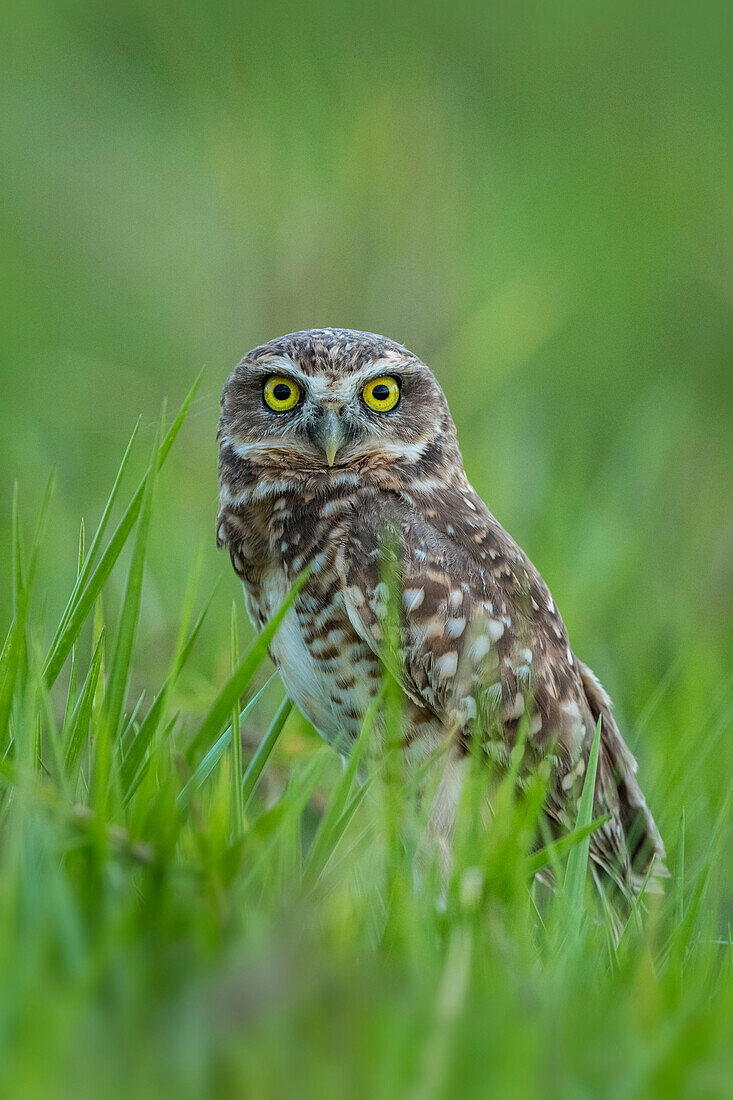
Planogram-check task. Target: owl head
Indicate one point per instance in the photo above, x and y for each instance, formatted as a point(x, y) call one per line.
point(325, 402)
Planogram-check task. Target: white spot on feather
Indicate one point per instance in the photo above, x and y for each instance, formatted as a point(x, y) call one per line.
point(433, 627)
point(355, 595)
point(468, 704)
point(412, 598)
point(575, 728)
point(515, 708)
point(480, 647)
point(576, 773)
point(447, 665)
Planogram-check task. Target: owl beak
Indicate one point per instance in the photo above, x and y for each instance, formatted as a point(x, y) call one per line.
point(330, 435)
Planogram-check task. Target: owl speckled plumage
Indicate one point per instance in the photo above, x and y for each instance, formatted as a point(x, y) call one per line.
point(332, 441)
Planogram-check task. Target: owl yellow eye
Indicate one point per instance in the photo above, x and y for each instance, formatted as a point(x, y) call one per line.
point(381, 394)
point(280, 393)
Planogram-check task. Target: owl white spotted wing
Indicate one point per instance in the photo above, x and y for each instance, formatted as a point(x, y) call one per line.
point(473, 646)
point(465, 645)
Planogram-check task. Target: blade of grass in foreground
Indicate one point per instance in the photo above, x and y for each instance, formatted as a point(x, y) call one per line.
point(217, 750)
point(74, 672)
point(264, 750)
point(558, 848)
point(120, 664)
point(80, 607)
point(86, 561)
point(236, 740)
point(18, 584)
point(135, 755)
point(577, 867)
point(681, 936)
point(324, 840)
point(229, 696)
point(134, 764)
point(14, 653)
point(679, 884)
point(82, 713)
point(39, 533)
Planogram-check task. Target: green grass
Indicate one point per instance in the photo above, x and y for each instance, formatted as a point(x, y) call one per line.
point(179, 921)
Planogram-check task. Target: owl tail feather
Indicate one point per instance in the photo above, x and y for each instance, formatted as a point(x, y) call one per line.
point(629, 848)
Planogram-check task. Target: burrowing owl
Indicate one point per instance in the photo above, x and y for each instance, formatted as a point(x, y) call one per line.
point(328, 439)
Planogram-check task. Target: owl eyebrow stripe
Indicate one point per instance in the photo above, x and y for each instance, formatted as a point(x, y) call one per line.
point(385, 374)
point(267, 367)
point(378, 369)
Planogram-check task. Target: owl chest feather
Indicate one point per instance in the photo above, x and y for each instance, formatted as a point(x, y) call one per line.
point(328, 670)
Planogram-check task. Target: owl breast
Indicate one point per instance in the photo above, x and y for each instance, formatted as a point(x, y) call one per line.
point(329, 672)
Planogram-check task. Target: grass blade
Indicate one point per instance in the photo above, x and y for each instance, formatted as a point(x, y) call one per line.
point(40, 530)
point(217, 750)
point(143, 770)
point(17, 543)
point(679, 885)
point(264, 749)
point(236, 742)
point(120, 665)
point(235, 688)
point(86, 562)
point(54, 739)
point(83, 711)
point(11, 665)
point(14, 655)
point(82, 605)
point(135, 755)
point(682, 936)
point(128, 731)
point(324, 840)
point(577, 867)
point(73, 675)
point(546, 856)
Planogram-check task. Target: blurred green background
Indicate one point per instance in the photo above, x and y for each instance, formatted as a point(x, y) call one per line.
point(535, 198)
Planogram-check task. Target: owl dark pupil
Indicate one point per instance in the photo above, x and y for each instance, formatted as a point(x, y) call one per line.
point(281, 392)
point(381, 392)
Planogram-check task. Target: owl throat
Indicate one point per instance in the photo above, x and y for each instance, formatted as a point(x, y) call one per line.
point(274, 519)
